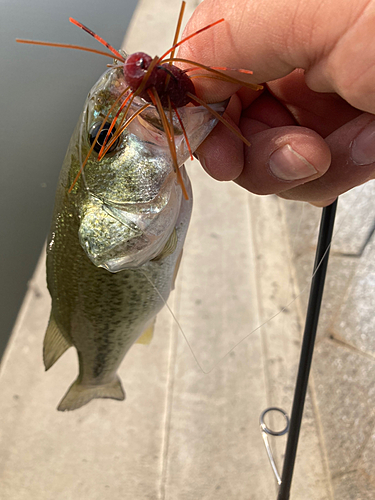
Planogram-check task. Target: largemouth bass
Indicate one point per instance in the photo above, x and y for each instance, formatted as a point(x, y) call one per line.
point(116, 239)
point(122, 209)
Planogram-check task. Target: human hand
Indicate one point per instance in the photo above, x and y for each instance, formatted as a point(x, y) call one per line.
point(312, 129)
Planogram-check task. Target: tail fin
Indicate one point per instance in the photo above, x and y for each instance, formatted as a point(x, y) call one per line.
point(79, 395)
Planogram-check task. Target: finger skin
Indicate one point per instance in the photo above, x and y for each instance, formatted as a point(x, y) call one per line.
point(257, 176)
point(273, 38)
point(322, 112)
point(222, 153)
point(343, 174)
point(335, 54)
point(336, 170)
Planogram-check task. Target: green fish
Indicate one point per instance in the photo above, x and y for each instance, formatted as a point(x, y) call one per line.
point(116, 236)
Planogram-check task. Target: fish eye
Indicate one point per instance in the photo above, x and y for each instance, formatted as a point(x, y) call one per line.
point(103, 134)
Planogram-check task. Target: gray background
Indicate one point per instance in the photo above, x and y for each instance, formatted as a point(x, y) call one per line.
point(42, 93)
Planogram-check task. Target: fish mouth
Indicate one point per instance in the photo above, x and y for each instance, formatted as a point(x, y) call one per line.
point(118, 236)
point(148, 127)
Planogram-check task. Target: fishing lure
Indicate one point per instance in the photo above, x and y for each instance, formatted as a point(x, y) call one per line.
point(159, 82)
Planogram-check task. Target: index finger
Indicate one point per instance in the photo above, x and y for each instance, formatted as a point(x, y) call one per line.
point(273, 38)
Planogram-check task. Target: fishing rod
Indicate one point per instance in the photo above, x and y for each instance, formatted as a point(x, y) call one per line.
point(293, 426)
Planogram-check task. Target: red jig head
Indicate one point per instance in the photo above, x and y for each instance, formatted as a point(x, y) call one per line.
point(168, 80)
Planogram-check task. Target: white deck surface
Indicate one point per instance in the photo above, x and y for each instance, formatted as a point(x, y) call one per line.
point(181, 434)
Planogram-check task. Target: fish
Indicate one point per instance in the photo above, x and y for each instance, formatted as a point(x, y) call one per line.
point(116, 238)
point(122, 210)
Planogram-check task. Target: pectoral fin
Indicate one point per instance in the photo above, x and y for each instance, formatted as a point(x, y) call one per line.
point(169, 247)
point(177, 267)
point(55, 344)
point(147, 335)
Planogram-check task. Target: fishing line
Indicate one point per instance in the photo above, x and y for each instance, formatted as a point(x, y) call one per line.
point(292, 252)
point(206, 372)
point(175, 319)
point(220, 360)
point(83, 121)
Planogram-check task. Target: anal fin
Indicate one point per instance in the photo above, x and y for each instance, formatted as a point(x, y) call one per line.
point(147, 335)
point(54, 345)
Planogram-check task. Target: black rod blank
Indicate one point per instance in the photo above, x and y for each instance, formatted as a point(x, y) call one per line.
point(312, 318)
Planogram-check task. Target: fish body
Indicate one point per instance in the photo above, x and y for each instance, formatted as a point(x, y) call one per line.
point(116, 239)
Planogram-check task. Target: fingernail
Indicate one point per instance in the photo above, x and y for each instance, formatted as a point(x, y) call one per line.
point(363, 146)
point(288, 165)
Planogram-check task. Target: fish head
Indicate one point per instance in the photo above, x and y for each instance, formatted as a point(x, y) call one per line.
point(129, 201)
